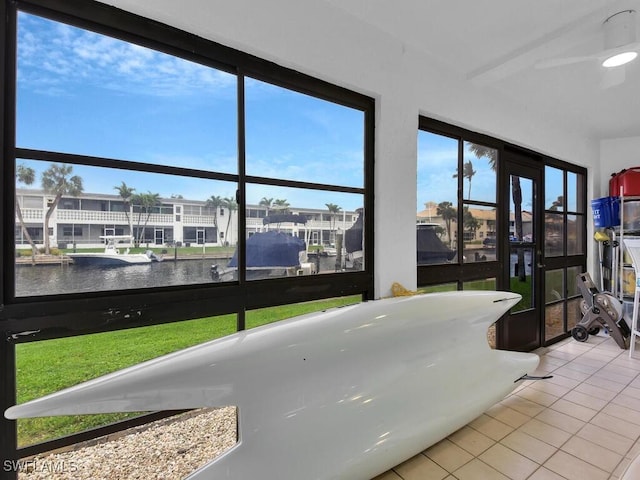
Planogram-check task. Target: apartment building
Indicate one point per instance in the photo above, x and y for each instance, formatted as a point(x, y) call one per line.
point(81, 221)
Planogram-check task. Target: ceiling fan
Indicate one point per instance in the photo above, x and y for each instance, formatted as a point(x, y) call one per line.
point(620, 48)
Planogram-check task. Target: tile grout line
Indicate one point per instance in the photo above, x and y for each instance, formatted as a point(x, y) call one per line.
point(572, 435)
point(559, 448)
point(591, 357)
point(624, 456)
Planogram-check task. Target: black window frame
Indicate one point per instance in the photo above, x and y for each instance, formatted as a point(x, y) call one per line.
point(460, 272)
point(25, 319)
point(566, 262)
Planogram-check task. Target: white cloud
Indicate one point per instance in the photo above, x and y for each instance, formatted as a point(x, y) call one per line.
point(52, 52)
point(332, 168)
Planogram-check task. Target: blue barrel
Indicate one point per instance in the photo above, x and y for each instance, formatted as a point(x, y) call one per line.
point(606, 212)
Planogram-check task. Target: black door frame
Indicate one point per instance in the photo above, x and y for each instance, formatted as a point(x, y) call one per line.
point(523, 330)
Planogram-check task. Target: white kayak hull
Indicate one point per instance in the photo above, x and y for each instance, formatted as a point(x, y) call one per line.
point(346, 393)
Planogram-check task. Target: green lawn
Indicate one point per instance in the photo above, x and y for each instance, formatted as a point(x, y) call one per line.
point(47, 366)
point(523, 288)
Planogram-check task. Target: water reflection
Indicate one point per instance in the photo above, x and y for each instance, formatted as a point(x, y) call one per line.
point(48, 280)
point(59, 279)
point(513, 262)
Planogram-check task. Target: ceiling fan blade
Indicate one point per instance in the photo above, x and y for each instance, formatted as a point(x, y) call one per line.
point(562, 61)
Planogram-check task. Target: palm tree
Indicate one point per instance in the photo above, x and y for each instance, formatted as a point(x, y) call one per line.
point(467, 172)
point(266, 202)
point(145, 203)
point(470, 222)
point(333, 211)
point(214, 202)
point(281, 205)
point(56, 180)
point(126, 193)
point(516, 195)
point(446, 211)
point(230, 204)
point(26, 176)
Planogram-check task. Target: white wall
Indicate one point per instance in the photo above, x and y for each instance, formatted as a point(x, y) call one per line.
point(615, 155)
point(320, 40)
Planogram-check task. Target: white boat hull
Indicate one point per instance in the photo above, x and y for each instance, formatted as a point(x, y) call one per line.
point(104, 259)
point(111, 256)
point(347, 393)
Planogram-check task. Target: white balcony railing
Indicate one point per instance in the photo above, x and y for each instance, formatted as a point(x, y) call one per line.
point(199, 220)
point(33, 215)
point(90, 216)
point(99, 217)
point(311, 225)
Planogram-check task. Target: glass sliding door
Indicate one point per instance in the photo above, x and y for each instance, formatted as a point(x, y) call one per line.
point(521, 328)
point(491, 215)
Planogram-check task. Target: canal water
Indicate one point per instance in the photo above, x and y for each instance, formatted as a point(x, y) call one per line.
point(60, 279)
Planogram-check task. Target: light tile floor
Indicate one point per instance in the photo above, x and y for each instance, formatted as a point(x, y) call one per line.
point(582, 424)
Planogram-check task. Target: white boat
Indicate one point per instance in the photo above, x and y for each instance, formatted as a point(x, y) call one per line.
point(112, 256)
point(345, 393)
point(329, 251)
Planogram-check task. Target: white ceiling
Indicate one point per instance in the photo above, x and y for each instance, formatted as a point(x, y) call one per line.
point(491, 44)
point(495, 45)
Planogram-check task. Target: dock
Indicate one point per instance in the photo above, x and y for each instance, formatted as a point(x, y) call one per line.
point(43, 260)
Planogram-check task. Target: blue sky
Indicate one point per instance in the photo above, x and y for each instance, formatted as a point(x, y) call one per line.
point(80, 92)
point(437, 163)
point(84, 93)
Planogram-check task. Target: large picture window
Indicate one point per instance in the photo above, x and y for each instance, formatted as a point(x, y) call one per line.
point(494, 215)
point(131, 157)
point(141, 167)
point(457, 200)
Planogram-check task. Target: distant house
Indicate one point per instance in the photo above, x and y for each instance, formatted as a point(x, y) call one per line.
point(486, 219)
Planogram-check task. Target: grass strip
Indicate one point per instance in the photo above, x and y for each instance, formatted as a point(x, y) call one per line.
point(48, 366)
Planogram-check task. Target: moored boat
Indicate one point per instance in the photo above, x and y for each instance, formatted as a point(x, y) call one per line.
point(271, 254)
point(112, 256)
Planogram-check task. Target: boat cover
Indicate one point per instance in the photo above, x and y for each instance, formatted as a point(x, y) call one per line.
point(353, 236)
point(271, 249)
point(430, 247)
point(284, 218)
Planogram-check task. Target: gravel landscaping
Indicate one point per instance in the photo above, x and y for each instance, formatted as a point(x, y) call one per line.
point(167, 449)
